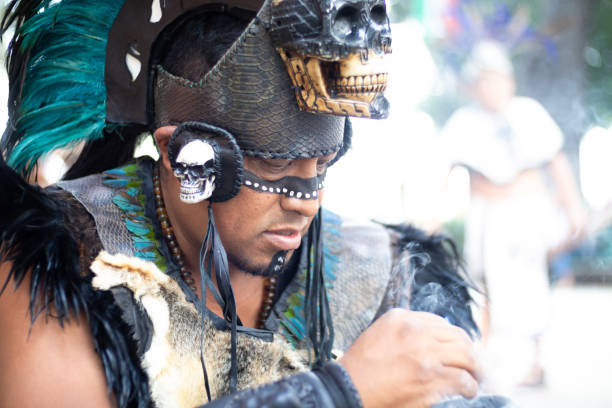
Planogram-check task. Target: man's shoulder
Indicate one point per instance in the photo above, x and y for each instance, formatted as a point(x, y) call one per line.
point(120, 201)
point(385, 266)
point(364, 237)
point(525, 103)
point(52, 348)
point(358, 244)
point(42, 253)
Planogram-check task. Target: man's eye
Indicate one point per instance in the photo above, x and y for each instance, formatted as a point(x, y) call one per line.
point(322, 165)
point(277, 165)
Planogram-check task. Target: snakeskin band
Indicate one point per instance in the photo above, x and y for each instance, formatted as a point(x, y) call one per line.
point(249, 93)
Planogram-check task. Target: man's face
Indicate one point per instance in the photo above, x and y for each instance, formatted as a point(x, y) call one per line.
point(255, 226)
point(494, 90)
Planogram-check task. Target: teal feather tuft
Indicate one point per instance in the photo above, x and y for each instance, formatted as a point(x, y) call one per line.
point(63, 99)
point(130, 199)
point(293, 319)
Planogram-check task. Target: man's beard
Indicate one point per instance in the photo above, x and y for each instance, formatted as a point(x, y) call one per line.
point(274, 267)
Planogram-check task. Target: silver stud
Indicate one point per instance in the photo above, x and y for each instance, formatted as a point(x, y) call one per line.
point(291, 193)
point(264, 188)
point(284, 190)
point(277, 190)
point(307, 195)
point(299, 194)
point(256, 185)
point(248, 182)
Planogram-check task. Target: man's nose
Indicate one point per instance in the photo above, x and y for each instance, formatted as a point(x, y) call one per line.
point(307, 208)
point(304, 168)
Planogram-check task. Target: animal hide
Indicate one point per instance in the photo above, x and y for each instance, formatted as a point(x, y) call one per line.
point(172, 360)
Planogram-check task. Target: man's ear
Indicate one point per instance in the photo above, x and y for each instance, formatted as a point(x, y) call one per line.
point(162, 138)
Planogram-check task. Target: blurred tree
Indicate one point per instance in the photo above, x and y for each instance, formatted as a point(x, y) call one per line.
point(402, 9)
point(598, 59)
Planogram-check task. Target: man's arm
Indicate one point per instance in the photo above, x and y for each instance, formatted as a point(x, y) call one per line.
point(568, 194)
point(412, 359)
point(405, 359)
point(43, 364)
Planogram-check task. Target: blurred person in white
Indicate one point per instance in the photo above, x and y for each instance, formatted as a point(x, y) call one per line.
point(524, 202)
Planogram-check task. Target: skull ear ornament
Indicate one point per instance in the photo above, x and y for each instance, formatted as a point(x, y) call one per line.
point(207, 162)
point(195, 170)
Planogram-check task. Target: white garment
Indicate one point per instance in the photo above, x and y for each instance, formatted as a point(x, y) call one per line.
point(502, 145)
point(507, 239)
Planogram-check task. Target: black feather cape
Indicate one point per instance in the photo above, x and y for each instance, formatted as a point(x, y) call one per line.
point(35, 237)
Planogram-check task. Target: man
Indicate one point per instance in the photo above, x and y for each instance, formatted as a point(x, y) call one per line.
point(512, 148)
point(211, 276)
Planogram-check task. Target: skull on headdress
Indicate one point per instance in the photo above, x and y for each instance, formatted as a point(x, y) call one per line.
point(334, 52)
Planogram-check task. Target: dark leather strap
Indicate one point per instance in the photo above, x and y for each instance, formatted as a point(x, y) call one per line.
point(339, 385)
point(328, 387)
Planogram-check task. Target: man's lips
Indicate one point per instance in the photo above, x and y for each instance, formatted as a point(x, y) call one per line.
point(285, 239)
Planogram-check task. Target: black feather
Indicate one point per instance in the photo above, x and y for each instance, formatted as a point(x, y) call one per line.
point(440, 284)
point(35, 240)
point(42, 249)
point(114, 344)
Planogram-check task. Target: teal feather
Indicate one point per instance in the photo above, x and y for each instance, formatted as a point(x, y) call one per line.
point(293, 319)
point(147, 256)
point(116, 183)
point(137, 228)
point(63, 99)
point(126, 203)
point(296, 329)
point(129, 198)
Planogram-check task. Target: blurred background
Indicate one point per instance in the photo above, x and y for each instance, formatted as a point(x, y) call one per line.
point(499, 136)
point(523, 188)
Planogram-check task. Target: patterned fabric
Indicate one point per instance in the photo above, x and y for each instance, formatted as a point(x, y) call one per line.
point(98, 201)
point(82, 226)
point(357, 270)
point(130, 199)
point(117, 202)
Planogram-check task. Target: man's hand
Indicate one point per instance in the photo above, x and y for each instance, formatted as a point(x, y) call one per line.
point(411, 359)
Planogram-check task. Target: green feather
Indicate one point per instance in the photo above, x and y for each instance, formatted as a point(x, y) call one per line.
point(63, 99)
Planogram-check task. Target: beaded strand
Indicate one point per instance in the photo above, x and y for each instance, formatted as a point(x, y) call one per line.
point(168, 233)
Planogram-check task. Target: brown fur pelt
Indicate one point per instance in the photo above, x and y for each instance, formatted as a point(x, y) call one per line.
point(172, 361)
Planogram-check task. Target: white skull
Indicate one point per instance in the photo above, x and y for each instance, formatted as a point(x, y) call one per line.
point(195, 170)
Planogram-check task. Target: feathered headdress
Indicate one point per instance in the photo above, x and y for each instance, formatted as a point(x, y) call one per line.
point(466, 23)
point(56, 68)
